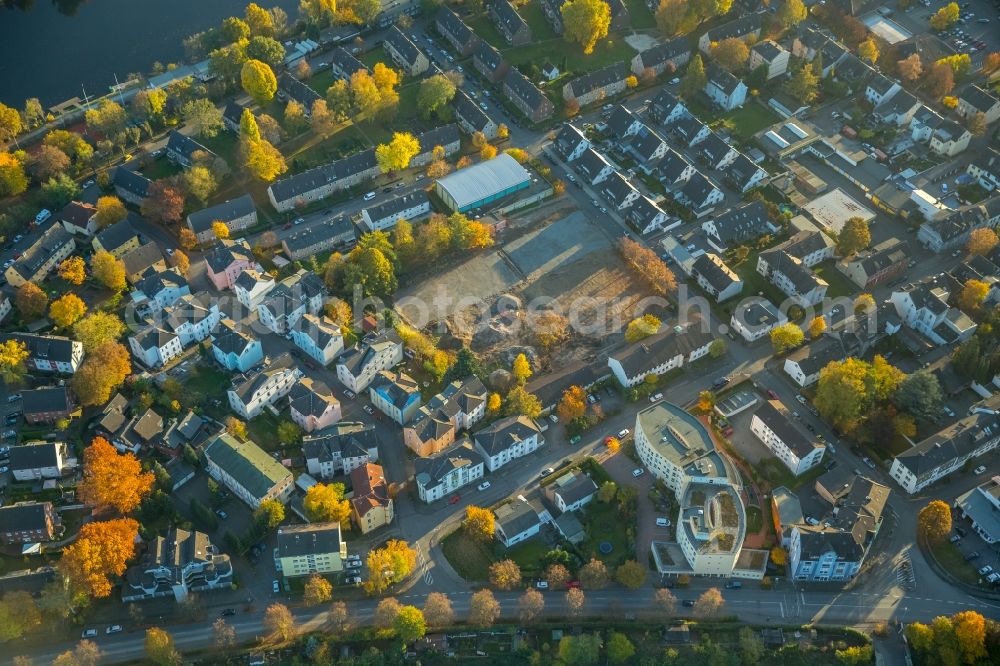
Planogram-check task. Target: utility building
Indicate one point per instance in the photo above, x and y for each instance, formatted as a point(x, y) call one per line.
point(482, 184)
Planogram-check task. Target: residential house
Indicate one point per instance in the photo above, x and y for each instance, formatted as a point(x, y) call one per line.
point(118, 238)
point(410, 206)
point(518, 521)
point(237, 214)
point(804, 364)
point(666, 109)
point(950, 138)
point(670, 348)
point(130, 186)
point(789, 274)
point(337, 232)
point(343, 64)
point(979, 506)
point(620, 18)
point(471, 118)
point(699, 194)
point(34, 461)
point(714, 276)
point(716, 152)
point(770, 54)
point(318, 337)
point(570, 143)
point(550, 72)
point(738, 225)
point(571, 491)
point(339, 449)
point(459, 406)
point(322, 181)
point(508, 22)
point(182, 149)
point(597, 85)
point(755, 318)
point(526, 96)
point(225, 260)
point(142, 259)
point(772, 425)
point(395, 394)
point(923, 124)
point(674, 171)
point(251, 287)
point(618, 191)
point(452, 28)
point(247, 470)
point(446, 136)
point(291, 89)
point(404, 52)
point(312, 405)
point(953, 231)
point(985, 168)
point(41, 257)
point(232, 115)
point(294, 297)
point(923, 306)
point(155, 346)
point(647, 147)
point(899, 109)
point(689, 131)
point(157, 289)
point(371, 504)
point(253, 392)
point(5, 306)
point(357, 366)
point(28, 522)
point(488, 62)
point(670, 55)
point(191, 319)
point(49, 353)
point(78, 218)
point(622, 123)
point(594, 167)
point(741, 28)
point(880, 88)
point(46, 405)
point(304, 550)
point(448, 471)
point(506, 439)
point(976, 99)
point(235, 349)
point(176, 565)
point(724, 88)
point(647, 216)
point(745, 175)
point(550, 9)
point(881, 264)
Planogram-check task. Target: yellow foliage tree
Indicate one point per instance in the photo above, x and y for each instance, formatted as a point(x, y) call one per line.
point(521, 369)
point(388, 565)
point(786, 337)
point(934, 521)
point(817, 326)
point(220, 230)
point(73, 270)
point(13, 354)
point(326, 503)
point(112, 480)
point(101, 550)
point(643, 327)
point(108, 270)
point(396, 155)
point(479, 523)
point(67, 310)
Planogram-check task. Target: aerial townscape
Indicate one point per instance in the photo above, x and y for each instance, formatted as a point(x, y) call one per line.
point(567, 332)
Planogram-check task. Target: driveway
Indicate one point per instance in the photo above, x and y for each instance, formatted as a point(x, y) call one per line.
point(619, 467)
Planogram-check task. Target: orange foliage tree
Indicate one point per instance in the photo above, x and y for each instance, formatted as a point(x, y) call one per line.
point(101, 551)
point(112, 480)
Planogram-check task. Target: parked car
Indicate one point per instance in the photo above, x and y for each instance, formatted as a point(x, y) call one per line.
point(368, 409)
point(354, 580)
point(688, 603)
point(89, 633)
point(979, 470)
point(275, 586)
point(227, 612)
point(575, 439)
point(553, 418)
point(547, 471)
point(221, 514)
point(655, 397)
point(352, 564)
point(542, 584)
point(623, 433)
point(720, 382)
point(637, 472)
point(485, 485)
point(350, 394)
point(971, 556)
point(734, 585)
point(772, 395)
point(114, 629)
point(986, 570)
point(662, 522)
point(454, 499)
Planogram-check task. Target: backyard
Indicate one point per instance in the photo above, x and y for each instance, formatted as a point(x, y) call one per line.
point(748, 120)
point(603, 523)
point(471, 559)
point(840, 286)
point(528, 555)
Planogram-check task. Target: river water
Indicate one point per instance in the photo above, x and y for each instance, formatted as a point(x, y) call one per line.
point(50, 48)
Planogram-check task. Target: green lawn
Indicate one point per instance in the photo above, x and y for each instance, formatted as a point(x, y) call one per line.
point(225, 145)
point(376, 56)
point(528, 554)
point(482, 26)
point(161, 167)
point(470, 559)
point(754, 283)
point(755, 519)
point(603, 523)
point(322, 80)
point(207, 381)
point(950, 557)
point(749, 120)
point(264, 431)
point(541, 29)
point(569, 57)
point(640, 15)
point(839, 284)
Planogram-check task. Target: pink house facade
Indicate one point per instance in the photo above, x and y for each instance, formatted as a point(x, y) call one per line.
point(226, 260)
point(312, 405)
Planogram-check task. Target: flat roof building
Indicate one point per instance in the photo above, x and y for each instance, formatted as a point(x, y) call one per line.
point(482, 183)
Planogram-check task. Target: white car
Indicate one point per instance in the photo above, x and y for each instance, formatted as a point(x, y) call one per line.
point(275, 587)
point(986, 570)
point(662, 522)
point(655, 397)
point(623, 433)
point(89, 633)
point(114, 629)
point(979, 470)
point(542, 585)
point(485, 485)
point(553, 418)
point(637, 472)
point(801, 398)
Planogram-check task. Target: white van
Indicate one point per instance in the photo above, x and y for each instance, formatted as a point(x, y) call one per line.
point(369, 196)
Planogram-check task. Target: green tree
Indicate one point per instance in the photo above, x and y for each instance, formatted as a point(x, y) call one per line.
point(751, 646)
point(585, 22)
point(631, 574)
point(259, 20)
point(338, 98)
point(31, 301)
point(228, 61)
point(855, 236)
point(269, 514)
point(694, 77)
point(620, 648)
point(200, 183)
point(258, 81)
point(59, 190)
point(519, 401)
point(804, 84)
point(266, 49)
point(786, 337)
point(204, 117)
point(409, 624)
point(582, 650)
point(289, 433)
point(466, 365)
point(234, 29)
point(435, 93)
point(920, 395)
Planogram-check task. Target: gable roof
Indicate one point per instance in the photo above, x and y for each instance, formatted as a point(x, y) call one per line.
point(638, 358)
point(247, 463)
point(402, 45)
point(598, 79)
point(118, 234)
point(525, 90)
point(130, 181)
point(141, 258)
point(505, 433)
point(184, 145)
point(227, 211)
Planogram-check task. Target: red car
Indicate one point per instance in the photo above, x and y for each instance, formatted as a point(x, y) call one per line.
point(772, 395)
point(573, 584)
point(287, 226)
point(454, 499)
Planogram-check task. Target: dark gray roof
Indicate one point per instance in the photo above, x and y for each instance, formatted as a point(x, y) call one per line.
point(310, 397)
point(698, 188)
point(768, 50)
point(34, 257)
point(24, 516)
point(298, 91)
point(980, 99)
point(486, 54)
point(617, 189)
point(429, 472)
point(141, 258)
point(672, 165)
point(668, 50)
point(454, 25)
point(247, 388)
point(742, 223)
point(52, 399)
point(233, 112)
point(525, 90)
point(470, 112)
point(201, 220)
point(569, 137)
point(118, 234)
point(738, 28)
point(345, 439)
point(721, 78)
point(592, 162)
point(598, 79)
point(231, 339)
point(814, 356)
point(153, 282)
point(620, 120)
point(343, 61)
point(184, 145)
point(507, 16)
point(34, 455)
point(742, 170)
point(402, 45)
point(714, 271)
point(398, 204)
point(132, 182)
point(54, 348)
point(221, 256)
point(335, 228)
point(302, 540)
point(780, 425)
point(504, 433)
point(638, 358)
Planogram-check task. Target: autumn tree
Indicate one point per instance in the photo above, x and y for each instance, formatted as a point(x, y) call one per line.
point(706, 401)
point(31, 301)
point(494, 403)
point(163, 203)
point(786, 337)
point(269, 514)
point(631, 574)
point(325, 503)
point(385, 613)
point(323, 121)
point(112, 480)
point(650, 268)
point(236, 428)
point(557, 576)
point(317, 590)
point(438, 611)
point(790, 13)
point(160, 648)
point(484, 609)
point(817, 326)
point(224, 635)
point(972, 295)
point(642, 327)
point(573, 404)
point(694, 79)
point(262, 160)
point(279, 623)
point(409, 624)
point(487, 152)
point(18, 614)
point(389, 565)
point(10, 123)
point(100, 551)
point(864, 304)
point(804, 84)
point(86, 653)
point(203, 116)
point(939, 80)
point(108, 270)
point(910, 68)
point(530, 605)
point(585, 22)
point(73, 270)
point(731, 54)
point(945, 17)
point(575, 600)
point(520, 401)
point(47, 162)
point(396, 155)
point(13, 179)
point(258, 81)
point(102, 371)
point(479, 523)
point(220, 230)
point(934, 521)
point(13, 354)
point(868, 50)
point(664, 602)
point(853, 237)
point(434, 94)
point(505, 575)
point(594, 575)
point(848, 390)
point(981, 241)
point(187, 239)
point(708, 604)
point(521, 368)
point(67, 310)
point(991, 63)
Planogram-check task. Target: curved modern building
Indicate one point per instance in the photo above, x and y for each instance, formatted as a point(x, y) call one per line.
point(711, 521)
